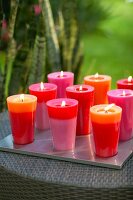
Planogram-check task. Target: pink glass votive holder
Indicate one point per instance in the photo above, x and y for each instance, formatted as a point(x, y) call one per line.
point(124, 99)
point(62, 80)
point(63, 119)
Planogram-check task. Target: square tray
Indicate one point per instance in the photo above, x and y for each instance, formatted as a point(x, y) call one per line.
point(83, 153)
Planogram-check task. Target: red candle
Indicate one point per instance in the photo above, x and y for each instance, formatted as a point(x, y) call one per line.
point(106, 125)
point(85, 96)
point(43, 92)
point(62, 80)
point(63, 118)
point(22, 114)
point(125, 83)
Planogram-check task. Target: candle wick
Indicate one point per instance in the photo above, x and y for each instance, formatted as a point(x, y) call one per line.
point(106, 111)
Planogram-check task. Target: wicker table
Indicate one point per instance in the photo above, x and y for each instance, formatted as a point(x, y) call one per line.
point(30, 178)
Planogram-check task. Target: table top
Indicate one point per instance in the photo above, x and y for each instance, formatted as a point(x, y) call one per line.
point(61, 172)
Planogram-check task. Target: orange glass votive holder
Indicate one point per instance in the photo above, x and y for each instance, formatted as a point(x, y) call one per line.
point(101, 84)
point(22, 117)
point(106, 128)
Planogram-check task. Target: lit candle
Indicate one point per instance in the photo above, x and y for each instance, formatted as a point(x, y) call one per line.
point(61, 74)
point(101, 84)
point(96, 76)
point(80, 88)
point(108, 107)
point(22, 113)
point(129, 79)
point(63, 104)
point(105, 124)
point(123, 93)
point(42, 86)
point(63, 118)
point(43, 92)
point(125, 83)
point(62, 80)
point(124, 99)
point(85, 96)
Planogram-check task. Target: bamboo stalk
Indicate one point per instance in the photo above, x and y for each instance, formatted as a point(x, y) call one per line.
point(53, 50)
point(11, 53)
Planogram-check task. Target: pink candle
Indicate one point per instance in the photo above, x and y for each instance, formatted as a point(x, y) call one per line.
point(63, 118)
point(62, 80)
point(125, 83)
point(124, 99)
point(85, 96)
point(43, 92)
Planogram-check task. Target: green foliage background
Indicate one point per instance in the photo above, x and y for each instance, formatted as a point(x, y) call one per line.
point(110, 50)
point(36, 43)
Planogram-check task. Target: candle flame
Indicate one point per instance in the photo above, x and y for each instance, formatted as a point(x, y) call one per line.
point(129, 79)
point(80, 88)
point(107, 108)
point(63, 103)
point(123, 93)
point(96, 75)
point(21, 97)
point(41, 86)
point(61, 74)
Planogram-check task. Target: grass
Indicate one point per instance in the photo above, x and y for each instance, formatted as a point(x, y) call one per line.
point(112, 53)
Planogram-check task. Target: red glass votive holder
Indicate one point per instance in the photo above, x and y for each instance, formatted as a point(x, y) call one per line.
point(125, 84)
point(44, 92)
point(85, 96)
point(63, 119)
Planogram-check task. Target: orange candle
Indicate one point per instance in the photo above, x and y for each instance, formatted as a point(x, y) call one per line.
point(22, 114)
point(101, 84)
point(106, 125)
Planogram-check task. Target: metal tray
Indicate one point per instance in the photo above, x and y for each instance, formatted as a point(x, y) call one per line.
point(83, 153)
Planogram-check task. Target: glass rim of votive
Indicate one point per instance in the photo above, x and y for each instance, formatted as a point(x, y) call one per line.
point(16, 100)
point(36, 87)
point(129, 82)
point(110, 110)
point(56, 103)
point(114, 109)
point(73, 88)
point(97, 78)
point(57, 74)
point(118, 93)
point(125, 81)
point(64, 75)
point(127, 94)
point(102, 78)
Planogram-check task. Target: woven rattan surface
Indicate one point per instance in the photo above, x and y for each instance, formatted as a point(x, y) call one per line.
point(27, 177)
